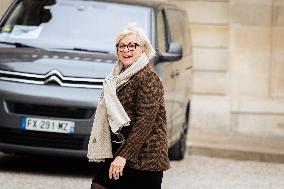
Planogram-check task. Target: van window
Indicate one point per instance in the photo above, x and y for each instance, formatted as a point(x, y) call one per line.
point(161, 30)
point(71, 23)
point(178, 27)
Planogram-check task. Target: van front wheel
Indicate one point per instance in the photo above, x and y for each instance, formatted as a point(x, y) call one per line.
point(177, 151)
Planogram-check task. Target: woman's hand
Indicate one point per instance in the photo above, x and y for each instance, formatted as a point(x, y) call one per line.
point(116, 167)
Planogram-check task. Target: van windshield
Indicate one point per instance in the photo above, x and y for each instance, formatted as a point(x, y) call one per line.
point(69, 24)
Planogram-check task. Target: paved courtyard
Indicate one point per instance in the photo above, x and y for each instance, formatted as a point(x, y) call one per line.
point(202, 170)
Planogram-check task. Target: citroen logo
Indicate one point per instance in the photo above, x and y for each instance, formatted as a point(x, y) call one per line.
point(53, 76)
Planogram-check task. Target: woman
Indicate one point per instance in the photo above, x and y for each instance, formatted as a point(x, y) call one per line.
point(129, 137)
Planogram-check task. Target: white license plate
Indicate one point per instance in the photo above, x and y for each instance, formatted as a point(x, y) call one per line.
point(48, 125)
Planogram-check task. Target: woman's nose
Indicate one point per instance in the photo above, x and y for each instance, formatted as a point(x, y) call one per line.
point(126, 47)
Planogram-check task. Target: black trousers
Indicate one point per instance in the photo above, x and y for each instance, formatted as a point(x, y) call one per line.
point(131, 179)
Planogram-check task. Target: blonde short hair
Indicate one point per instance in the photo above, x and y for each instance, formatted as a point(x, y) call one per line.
point(131, 28)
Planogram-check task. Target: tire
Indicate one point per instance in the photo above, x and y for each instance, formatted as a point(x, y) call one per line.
point(177, 151)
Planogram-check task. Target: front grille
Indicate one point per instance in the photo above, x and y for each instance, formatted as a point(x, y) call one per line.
point(50, 111)
point(51, 78)
point(42, 139)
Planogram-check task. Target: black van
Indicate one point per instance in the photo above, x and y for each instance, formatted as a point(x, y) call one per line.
point(54, 56)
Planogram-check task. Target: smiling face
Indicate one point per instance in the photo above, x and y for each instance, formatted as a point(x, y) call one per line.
point(129, 49)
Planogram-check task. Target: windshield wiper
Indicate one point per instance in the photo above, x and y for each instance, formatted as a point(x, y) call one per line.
point(19, 45)
point(85, 50)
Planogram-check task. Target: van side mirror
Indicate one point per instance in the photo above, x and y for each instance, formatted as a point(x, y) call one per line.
point(174, 53)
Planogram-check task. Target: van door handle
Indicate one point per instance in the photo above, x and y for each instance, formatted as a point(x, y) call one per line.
point(173, 74)
point(177, 72)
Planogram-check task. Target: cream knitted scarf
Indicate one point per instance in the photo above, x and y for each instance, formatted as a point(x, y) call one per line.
point(110, 113)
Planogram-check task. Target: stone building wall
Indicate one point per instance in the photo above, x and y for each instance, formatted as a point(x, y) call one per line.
point(238, 80)
point(3, 6)
point(238, 73)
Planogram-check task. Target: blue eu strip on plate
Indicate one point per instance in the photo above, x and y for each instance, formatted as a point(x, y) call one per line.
point(23, 120)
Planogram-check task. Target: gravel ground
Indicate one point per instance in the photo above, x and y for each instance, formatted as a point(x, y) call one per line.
point(202, 172)
point(197, 171)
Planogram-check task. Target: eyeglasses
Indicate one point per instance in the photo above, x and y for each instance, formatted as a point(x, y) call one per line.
point(130, 46)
